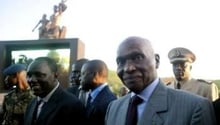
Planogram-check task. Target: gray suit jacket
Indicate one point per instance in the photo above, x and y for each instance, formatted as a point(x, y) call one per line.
point(165, 107)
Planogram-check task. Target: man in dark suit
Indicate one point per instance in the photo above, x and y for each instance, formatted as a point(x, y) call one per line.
point(52, 105)
point(216, 105)
point(76, 87)
point(157, 104)
point(94, 76)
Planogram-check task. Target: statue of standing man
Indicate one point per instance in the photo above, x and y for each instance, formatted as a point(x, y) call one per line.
point(45, 24)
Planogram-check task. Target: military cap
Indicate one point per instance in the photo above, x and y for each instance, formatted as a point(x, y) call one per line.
point(181, 54)
point(12, 69)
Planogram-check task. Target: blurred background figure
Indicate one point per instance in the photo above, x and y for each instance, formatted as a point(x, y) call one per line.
point(16, 101)
point(94, 75)
point(123, 91)
point(182, 59)
point(76, 87)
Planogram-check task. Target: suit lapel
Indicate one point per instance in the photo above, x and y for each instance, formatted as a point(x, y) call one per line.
point(47, 110)
point(124, 109)
point(50, 106)
point(32, 109)
point(99, 97)
point(117, 111)
point(157, 103)
point(97, 100)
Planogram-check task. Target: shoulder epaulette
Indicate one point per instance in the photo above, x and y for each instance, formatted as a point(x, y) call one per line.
point(202, 80)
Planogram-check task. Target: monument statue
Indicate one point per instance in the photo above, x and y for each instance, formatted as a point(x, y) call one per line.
point(51, 29)
point(45, 24)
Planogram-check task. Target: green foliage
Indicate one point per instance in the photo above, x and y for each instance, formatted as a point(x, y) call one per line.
point(217, 82)
point(55, 55)
point(114, 82)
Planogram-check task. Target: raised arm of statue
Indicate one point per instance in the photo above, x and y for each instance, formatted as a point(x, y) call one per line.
point(43, 22)
point(36, 26)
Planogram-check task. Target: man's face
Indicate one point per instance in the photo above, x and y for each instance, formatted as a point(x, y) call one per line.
point(75, 74)
point(87, 76)
point(181, 70)
point(136, 65)
point(41, 78)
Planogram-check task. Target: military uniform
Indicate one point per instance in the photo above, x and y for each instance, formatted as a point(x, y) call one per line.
point(178, 56)
point(15, 102)
point(198, 86)
point(14, 106)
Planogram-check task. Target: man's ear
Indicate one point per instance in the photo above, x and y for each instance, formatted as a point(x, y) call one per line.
point(96, 77)
point(157, 58)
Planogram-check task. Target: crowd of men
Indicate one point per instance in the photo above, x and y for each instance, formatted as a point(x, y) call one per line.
point(39, 99)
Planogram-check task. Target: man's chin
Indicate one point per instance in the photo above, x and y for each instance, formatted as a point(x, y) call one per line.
point(37, 92)
point(179, 78)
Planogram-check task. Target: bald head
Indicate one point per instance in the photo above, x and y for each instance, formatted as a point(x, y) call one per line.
point(93, 74)
point(98, 66)
point(137, 43)
point(137, 63)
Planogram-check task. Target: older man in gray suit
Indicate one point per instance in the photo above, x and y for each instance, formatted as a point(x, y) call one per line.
point(159, 105)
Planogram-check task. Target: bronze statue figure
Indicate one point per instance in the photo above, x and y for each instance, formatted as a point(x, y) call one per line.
point(51, 29)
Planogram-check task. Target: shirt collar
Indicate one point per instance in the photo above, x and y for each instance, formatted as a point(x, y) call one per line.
point(182, 82)
point(147, 92)
point(96, 91)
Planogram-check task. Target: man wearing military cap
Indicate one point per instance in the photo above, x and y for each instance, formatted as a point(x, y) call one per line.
point(16, 101)
point(182, 59)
